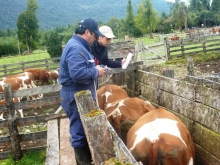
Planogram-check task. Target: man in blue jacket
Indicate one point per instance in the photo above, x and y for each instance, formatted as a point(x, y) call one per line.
point(100, 50)
point(79, 72)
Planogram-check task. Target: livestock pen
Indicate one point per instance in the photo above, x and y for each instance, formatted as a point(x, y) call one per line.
point(196, 104)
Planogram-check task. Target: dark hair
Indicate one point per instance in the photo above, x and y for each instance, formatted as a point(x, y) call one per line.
point(80, 30)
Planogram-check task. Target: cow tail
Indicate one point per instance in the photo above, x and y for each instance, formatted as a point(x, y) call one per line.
point(156, 154)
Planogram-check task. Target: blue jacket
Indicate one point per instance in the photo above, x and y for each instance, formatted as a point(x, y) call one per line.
point(77, 67)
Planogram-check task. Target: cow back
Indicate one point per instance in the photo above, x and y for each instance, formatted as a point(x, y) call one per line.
point(159, 137)
point(110, 93)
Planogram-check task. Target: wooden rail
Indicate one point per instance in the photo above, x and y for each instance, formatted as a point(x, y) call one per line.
point(188, 46)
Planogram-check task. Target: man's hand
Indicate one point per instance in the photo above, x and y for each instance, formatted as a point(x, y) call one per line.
point(123, 61)
point(100, 70)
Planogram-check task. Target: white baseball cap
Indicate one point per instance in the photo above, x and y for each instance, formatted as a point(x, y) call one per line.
point(107, 31)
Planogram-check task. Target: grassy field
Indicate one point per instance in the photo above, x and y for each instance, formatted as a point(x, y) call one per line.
point(36, 55)
point(31, 158)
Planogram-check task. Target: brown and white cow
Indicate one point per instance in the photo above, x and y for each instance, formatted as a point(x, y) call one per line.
point(16, 84)
point(128, 109)
point(175, 37)
point(110, 93)
point(214, 30)
point(159, 137)
point(19, 82)
point(27, 79)
point(54, 76)
point(119, 107)
point(41, 75)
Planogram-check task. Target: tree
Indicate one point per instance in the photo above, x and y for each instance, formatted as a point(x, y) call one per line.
point(164, 26)
point(215, 6)
point(27, 24)
point(54, 44)
point(147, 17)
point(130, 27)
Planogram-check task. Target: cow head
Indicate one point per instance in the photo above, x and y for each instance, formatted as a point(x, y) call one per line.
point(110, 93)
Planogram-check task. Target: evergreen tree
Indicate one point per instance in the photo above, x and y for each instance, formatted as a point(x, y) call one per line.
point(147, 17)
point(54, 44)
point(129, 22)
point(215, 6)
point(195, 5)
point(27, 24)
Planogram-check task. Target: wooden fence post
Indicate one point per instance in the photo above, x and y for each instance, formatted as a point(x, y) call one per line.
point(46, 63)
point(167, 49)
point(22, 66)
point(182, 47)
point(5, 70)
point(168, 73)
point(204, 44)
point(12, 126)
point(96, 130)
point(190, 66)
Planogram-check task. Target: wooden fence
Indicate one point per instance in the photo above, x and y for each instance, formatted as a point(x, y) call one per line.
point(15, 139)
point(196, 104)
point(15, 68)
point(188, 46)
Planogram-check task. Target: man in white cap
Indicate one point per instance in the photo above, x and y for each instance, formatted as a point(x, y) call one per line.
point(100, 51)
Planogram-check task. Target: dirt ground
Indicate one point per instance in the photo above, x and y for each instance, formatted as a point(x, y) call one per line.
point(180, 70)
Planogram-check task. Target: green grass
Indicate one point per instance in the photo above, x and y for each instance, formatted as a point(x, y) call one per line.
point(147, 40)
point(36, 55)
point(199, 57)
point(31, 158)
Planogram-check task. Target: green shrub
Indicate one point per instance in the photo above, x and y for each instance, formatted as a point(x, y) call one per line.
point(6, 49)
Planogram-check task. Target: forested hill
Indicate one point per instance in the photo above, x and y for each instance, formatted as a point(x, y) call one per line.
point(53, 13)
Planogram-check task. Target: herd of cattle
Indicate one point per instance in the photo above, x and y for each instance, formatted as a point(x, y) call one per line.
point(212, 31)
point(30, 78)
point(158, 137)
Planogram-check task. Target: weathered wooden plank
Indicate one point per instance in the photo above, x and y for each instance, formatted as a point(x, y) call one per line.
point(52, 157)
point(53, 100)
point(67, 156)
point(201, 134)
point(208, 97)
point(38, 90)
point(120, 49)
point(95, 128)
point(33, 136)
point(205, 158)
point(203, 82)
point(207, 116)
point(25, 121)
point(26, 137)
point(181, 88)
point(196, 111)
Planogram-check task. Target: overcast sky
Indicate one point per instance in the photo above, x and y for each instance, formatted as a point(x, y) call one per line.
point(186, 1)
